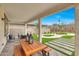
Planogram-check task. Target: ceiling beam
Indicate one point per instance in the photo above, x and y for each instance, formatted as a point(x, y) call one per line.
point(57, 8)
point(15, 24)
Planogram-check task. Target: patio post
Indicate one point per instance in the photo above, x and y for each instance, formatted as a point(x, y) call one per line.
point(40, 30)
point(77, 30)
point(25, 29)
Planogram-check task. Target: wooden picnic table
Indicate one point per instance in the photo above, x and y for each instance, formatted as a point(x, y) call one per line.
point(30, 49)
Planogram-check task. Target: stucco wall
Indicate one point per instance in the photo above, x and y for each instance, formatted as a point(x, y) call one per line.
point(16, 29)
point(2, 37)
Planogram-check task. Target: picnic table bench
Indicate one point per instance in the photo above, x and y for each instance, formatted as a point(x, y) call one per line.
point(18, 51)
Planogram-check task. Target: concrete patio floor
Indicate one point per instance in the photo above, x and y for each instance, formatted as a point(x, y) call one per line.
point(8, 50)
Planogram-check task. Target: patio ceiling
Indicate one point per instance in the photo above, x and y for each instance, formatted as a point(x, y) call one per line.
point(22, 13)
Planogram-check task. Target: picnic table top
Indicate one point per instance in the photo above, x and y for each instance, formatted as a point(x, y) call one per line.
point(30, 49)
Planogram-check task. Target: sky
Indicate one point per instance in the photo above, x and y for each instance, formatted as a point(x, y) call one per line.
point(65, 17)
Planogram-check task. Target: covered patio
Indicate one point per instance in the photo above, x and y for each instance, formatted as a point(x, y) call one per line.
point(23, 14)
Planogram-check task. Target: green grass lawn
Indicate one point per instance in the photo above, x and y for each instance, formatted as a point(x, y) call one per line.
point(67, 37)
point(47, 33)
point(44, 40)
point(61, 33)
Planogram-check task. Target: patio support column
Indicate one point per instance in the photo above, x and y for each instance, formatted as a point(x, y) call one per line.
point(77, 30)
point(25, 29)
point(40, 30)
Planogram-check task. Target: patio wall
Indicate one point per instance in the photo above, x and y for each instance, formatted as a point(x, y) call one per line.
point(16, 29)
point(2, 37)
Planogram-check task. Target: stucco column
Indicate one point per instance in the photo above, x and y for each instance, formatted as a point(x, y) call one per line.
point(25, 29)
point(40, 30)
point(77, 30)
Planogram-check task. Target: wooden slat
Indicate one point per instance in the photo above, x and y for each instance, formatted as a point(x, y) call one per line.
point(18, 51)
